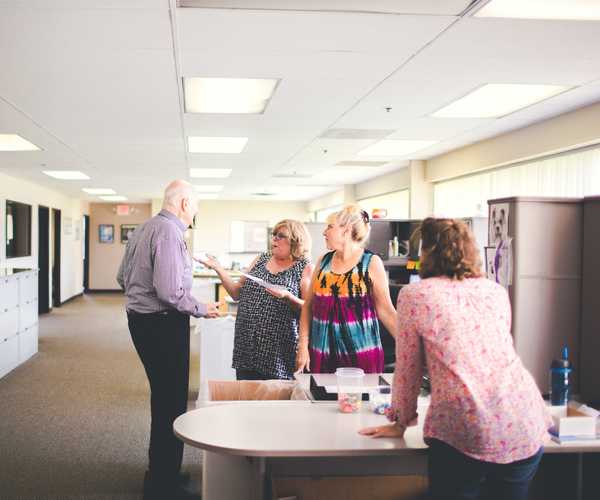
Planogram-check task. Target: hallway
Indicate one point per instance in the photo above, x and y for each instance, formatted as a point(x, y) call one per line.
point(74, 420)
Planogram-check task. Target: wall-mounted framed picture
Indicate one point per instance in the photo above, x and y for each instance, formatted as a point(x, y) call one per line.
point(106, 233)
point(126, 231)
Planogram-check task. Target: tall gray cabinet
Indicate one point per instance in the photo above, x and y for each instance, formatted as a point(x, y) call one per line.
point(589, 358)
point(546, 284)
point(18, 317)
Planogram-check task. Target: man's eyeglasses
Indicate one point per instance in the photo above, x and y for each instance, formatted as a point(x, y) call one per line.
point(279, 236)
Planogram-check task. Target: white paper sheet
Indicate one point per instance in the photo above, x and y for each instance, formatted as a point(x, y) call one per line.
point(263, 283)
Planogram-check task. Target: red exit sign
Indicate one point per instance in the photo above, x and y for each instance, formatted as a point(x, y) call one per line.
point(123, 209)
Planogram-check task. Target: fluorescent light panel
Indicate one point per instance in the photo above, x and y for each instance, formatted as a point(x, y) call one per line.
point(210, 173)
point(579, 10)
point(97, 191)
point(227, 145)
point(113, 198)
point(67, 175)
point(395, 147)
point(14, 142)
point(208, 188)
point(207, 196)
point(494, 100)
point(228, 95)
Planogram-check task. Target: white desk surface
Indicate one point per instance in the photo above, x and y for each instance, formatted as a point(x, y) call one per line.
point(290, 429)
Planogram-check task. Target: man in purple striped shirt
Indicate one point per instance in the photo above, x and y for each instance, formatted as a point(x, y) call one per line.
point(156, 274)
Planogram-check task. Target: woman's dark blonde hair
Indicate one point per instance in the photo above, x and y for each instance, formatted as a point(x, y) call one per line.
point(299, 237)
point(449, 249)
point(356, 218)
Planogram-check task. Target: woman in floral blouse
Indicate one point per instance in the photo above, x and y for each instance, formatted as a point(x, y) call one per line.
point(486, 423)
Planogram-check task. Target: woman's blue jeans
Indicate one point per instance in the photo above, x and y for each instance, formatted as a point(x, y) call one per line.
point(454, 475)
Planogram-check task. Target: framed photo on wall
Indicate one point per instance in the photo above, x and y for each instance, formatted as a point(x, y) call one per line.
point(126, 231)
point(106, 233)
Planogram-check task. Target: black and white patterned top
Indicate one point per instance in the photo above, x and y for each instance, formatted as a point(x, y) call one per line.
point(266, 328)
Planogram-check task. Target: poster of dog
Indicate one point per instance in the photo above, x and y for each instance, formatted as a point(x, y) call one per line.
point(498, 224)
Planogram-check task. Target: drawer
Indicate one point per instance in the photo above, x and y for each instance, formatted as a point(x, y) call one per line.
point(28, 343)
point(9, 292)
point(9, 323)
point(28, 315)
point(27, 287)
point(9, 355)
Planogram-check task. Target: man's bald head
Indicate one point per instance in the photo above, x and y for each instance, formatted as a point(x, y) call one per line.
point(175, 192)
point(180, 199)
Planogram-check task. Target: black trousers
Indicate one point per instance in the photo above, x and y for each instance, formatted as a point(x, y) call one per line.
point(162, 341)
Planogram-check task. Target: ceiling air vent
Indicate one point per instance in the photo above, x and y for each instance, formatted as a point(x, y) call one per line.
point(263, 194)
point(355, 133)
point(360, 163)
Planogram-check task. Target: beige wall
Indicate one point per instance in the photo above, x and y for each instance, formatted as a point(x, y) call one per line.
point(214, 220)
point(565, 132)
point(388, 183)
point(105, 258)
point(71, 275)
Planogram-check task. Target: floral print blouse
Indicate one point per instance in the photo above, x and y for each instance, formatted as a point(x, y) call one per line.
point(484, 402)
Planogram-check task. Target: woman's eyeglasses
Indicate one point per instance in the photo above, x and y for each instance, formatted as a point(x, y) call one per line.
point(279, 236)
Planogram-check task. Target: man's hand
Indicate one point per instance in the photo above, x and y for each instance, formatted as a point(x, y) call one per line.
point(302, 359)
point(390, 430)
point(212, 309)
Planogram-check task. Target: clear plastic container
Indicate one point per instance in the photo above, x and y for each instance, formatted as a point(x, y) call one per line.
point(350, 383)
point(380, 399)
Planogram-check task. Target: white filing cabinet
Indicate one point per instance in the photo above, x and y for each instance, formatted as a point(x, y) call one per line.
point(18, 317)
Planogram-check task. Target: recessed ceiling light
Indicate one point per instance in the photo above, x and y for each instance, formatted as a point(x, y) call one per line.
point(210, 173)
point(99, 191)
point(67, 175)
point(113, 198)
point(208, 188)
point(207, 196)
point(542, 9)
point(494, 100)
point(228, 95)
point(229, 145)
point(14, 142)
point(395, 147)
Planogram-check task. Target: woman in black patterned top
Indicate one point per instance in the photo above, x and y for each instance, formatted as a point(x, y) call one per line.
point(266, 328)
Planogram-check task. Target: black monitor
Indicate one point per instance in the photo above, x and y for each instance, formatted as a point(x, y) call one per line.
point(17, 226)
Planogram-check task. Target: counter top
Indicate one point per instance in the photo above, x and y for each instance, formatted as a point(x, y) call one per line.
point(290, 429)
point(9, 271)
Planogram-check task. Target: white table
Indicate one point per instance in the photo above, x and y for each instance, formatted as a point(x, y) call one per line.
point(247, 443)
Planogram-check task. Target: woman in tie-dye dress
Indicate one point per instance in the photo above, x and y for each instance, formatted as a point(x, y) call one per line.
point(339, 324)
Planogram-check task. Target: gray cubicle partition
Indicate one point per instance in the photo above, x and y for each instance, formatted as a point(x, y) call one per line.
point(545, 293)
point(590, 302)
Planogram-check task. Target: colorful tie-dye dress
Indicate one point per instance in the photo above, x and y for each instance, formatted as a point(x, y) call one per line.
point(345, 328)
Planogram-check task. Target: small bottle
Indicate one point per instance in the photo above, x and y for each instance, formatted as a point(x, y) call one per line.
point(559, 379)
point(390, 249)
point(395, 246)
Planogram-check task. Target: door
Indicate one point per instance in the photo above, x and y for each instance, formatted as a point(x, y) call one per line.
point(86, 253)
point(56, 260)
point(43, 259)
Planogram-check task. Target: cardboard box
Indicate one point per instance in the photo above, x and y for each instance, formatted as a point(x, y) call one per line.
point(254, 390)
point(570, 422)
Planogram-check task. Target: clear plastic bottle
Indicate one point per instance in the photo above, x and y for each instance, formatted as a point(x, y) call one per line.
point(395, 246)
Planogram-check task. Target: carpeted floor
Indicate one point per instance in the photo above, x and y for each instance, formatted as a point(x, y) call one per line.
point(74, 420)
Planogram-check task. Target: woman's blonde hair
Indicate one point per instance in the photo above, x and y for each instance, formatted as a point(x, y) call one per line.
point(299, 237)
point(356, 218)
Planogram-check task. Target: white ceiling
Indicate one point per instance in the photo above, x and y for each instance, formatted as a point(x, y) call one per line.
point(97, 85)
